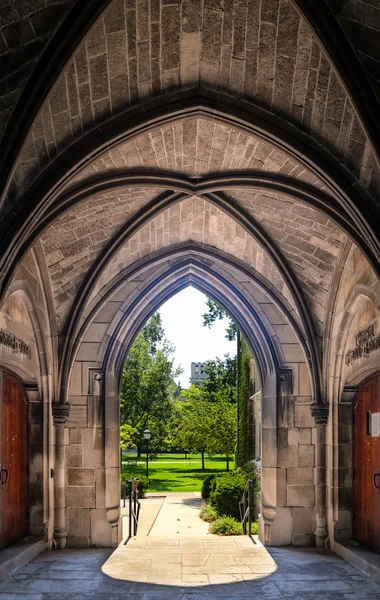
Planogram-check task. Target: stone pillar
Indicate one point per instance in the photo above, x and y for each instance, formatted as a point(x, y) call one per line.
point(321, 414)
point(60, 414)
point(112, 458)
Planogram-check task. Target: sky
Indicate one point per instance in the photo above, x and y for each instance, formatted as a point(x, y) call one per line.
point(182, 322)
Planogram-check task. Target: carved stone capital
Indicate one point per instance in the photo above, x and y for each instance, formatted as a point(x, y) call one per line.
point(97, 384)
point(320, 413)
point(61, 412)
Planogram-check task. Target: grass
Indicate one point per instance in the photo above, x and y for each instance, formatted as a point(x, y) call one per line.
point(174, 473)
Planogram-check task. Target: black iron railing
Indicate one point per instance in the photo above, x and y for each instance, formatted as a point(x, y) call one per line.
point(134, 506)
point(246, 508)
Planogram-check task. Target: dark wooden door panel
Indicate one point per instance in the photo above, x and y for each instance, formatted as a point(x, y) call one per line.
point(14, 458)
point(366, 464)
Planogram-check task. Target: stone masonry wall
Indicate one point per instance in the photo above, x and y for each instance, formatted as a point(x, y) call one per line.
point(288, 452)
point(310, 241)
point(198, 220)
point(25, 29)
point(74, 241)
point(198, 146)
point(357, 307)
point(260, 50)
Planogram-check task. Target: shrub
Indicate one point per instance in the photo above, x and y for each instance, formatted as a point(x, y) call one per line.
point(227, 494)
point(252, 469)
point(255, 528)
point(208, 513)
point(226, 526)
point(142, 485)
point(208, 485)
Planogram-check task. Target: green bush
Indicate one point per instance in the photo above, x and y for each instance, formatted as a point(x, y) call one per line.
point(227, 494)
point(226, 526)
point(208, 513)
point(208, 485)
point(252, 472)
point(142, 485)
point(255, 528)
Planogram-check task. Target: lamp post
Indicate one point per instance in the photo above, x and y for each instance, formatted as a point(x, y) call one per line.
point(147, 436)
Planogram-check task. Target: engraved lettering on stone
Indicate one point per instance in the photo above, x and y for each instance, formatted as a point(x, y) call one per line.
point(366, 342)
point(16, 344)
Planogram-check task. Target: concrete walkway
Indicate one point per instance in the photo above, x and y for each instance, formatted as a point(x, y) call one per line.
point(187, 565)
point(179, 517)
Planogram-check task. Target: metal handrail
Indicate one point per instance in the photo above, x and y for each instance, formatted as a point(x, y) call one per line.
point(246, 507)
point(134, 506)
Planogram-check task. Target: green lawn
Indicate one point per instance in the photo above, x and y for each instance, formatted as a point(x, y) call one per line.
point(174, 473)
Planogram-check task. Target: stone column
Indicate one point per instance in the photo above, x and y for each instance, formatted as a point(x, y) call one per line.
point(112, 457)
point(60, 414)
point(321, 414)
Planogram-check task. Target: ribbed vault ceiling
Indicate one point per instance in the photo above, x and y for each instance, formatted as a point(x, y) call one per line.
point(146, 55)
point(262, 51)
point(197, 146)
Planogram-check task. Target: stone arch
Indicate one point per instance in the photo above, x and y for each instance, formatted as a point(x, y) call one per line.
point(113, 319)
point(32, 371)
point(349, 196)
point(357, 305)
point(325, 23)
point(206, 48)
point(272, 261)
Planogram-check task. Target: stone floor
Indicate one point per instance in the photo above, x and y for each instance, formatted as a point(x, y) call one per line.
point(180, 567)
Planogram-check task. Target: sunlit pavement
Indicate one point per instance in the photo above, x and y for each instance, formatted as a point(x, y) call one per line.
point(186, 569)
point(177, 566)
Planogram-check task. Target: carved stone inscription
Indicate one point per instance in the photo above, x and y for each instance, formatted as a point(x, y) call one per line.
point(15, 344)
point(366, 342)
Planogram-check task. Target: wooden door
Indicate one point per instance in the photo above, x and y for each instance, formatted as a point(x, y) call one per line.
point(366, 464)
point(14, 461)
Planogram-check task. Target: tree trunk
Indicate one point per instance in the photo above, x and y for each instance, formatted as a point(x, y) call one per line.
point(227, 462)
point(203, 461)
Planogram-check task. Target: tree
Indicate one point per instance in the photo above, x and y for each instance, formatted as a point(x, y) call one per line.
point(216, 313)
point(128, 436)
point(221, 379)
point(244, 446)
point(244, 437)
point(148, 383)
point(195, 425)
point(223, 430)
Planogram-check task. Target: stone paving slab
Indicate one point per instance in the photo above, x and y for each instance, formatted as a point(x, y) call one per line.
point(189, 569)
point(179, 517)
point(174, 558)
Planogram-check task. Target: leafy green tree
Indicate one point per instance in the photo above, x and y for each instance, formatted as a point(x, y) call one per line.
point(147, 384)
point(216, 313)
point(195, 424)
point(222, 436)
point(128, 436)
point(244, 446)
point(241, 395)
point(221, 379)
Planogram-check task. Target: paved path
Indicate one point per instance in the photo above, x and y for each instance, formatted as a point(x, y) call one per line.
point(180, 566)
point(179, 517)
